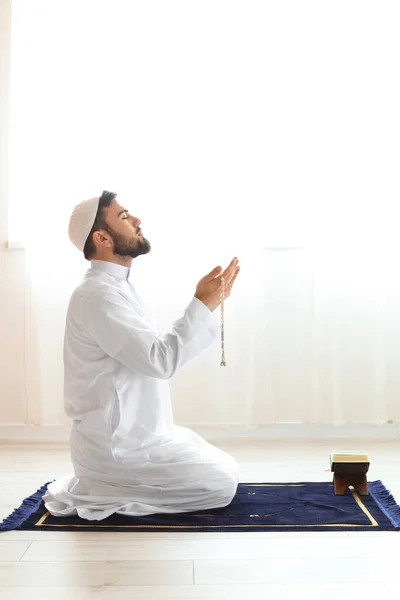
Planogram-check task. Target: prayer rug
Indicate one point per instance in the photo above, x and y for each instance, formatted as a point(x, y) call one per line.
point(302, 506)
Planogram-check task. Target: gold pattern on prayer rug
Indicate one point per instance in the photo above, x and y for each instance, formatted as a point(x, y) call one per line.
point(43, 521)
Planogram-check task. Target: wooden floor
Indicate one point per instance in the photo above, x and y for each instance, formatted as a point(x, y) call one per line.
point(122, 566)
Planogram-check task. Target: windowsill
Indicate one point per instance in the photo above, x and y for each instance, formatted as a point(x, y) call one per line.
point(14, 245)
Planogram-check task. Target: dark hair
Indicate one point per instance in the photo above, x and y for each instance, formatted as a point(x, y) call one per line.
point(106, 198)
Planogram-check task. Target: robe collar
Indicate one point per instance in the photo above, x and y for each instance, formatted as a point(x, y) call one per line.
point(117, 271)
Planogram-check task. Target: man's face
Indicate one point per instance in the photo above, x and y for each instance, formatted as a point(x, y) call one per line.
point(125, 231)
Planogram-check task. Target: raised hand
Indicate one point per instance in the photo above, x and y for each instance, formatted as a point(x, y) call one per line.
point(208, 289)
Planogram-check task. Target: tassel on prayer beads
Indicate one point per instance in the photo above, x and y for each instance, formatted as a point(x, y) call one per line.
point(223, 362)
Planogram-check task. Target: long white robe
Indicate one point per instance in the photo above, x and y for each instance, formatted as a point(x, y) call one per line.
point(127, 454)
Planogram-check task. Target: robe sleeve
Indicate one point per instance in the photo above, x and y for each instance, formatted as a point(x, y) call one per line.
point(122, 333)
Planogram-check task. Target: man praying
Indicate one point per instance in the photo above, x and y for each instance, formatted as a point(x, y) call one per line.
point(128, 456)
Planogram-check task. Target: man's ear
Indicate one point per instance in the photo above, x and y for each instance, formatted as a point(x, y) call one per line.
point(101, 238)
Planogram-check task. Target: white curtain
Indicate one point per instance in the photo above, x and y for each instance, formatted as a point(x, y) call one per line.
point(266, 130)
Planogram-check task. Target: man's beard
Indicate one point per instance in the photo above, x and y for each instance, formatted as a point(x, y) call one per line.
point(125, 246)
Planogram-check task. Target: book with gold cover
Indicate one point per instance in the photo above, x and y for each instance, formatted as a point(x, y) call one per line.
point(349, 461)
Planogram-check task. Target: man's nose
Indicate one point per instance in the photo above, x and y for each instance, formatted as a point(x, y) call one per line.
point(136, 222)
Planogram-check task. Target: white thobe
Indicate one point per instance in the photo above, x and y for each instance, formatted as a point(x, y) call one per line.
point(127, 454)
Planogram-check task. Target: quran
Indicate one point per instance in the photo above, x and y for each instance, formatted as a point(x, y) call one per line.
point(348, 457)
point(350, 468)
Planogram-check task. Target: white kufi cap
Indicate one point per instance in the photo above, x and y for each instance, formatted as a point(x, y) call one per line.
point(81, 222)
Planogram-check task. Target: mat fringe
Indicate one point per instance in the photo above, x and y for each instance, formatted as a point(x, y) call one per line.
point(386, 502)
point(20, 514)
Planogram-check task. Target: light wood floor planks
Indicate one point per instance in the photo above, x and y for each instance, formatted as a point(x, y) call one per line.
point(164, 566)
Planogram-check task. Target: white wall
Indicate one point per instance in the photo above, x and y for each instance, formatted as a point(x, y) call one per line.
point(12, 395)
point(353, 385)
